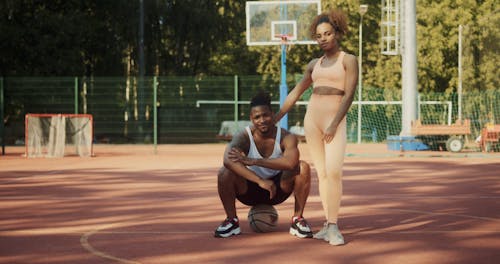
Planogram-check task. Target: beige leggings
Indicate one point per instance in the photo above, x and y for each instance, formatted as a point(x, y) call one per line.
point(328, 158)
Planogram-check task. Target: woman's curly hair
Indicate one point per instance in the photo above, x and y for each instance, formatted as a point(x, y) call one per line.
point(335, 17)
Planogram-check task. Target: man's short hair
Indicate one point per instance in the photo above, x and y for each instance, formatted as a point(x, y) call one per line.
point(261, 98)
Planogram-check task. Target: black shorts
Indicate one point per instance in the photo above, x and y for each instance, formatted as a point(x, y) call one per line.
point(256, 195)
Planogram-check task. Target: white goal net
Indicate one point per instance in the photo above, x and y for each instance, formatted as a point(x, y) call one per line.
point(58, 135)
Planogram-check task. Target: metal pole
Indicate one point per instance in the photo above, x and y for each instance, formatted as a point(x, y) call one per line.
point(155, 113)
point(360, 76)
point(460, 28)
point(235, 100)
point(2, 127)
point(409, 67)
point(140, 88)
point(76, 95)
point(141, 38)
point(283, 86)
point(362, 10)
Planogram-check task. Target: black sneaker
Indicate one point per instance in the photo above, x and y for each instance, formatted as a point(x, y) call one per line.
point(228, 228)
point(300, 228)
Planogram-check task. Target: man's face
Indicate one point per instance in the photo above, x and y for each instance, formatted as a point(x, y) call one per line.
point(262, 118)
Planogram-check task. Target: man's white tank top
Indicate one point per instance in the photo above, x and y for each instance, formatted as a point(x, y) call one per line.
point(264, 173)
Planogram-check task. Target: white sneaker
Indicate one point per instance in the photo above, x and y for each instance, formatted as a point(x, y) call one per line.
point(334, 236)
point(300, 228)
point(322, 233)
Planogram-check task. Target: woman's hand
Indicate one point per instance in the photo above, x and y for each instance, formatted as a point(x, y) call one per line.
point(329, 133)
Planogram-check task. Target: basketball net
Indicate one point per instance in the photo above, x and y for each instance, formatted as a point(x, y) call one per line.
point(285, 39)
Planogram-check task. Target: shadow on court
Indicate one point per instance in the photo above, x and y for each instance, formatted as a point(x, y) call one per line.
point(145, 208)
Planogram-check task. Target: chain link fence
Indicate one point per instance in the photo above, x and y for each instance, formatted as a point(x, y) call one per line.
point(183, 110)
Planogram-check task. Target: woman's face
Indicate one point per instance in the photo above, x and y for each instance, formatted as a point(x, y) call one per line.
point(325, 36)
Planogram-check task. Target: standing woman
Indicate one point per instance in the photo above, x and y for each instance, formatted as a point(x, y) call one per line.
point(334, 77)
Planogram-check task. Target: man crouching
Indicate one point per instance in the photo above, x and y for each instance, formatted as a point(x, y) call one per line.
point(262, 166)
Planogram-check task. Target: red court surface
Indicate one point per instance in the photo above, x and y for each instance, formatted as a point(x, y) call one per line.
point(129, 205)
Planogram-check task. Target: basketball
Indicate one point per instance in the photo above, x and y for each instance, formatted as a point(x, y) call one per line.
point(263, 218)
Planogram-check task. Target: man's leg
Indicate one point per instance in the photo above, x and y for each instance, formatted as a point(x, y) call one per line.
point(229, 185)
point(300, 182)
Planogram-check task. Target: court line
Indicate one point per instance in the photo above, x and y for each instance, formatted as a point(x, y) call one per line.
point(369, 232)
point(84, 238)
point(84, 241)
point(446, 214)
point(423, 155)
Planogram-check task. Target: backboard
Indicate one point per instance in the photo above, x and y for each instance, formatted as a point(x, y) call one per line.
point(268, 21)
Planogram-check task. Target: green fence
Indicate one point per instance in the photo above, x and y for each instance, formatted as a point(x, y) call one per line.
point(191, 109)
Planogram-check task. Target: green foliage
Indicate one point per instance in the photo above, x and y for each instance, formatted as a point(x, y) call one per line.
point(207, 38)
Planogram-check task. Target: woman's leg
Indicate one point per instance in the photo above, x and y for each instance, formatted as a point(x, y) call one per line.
point(332, 185)
point(316, 146)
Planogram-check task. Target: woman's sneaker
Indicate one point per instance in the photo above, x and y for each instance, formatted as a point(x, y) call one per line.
point(300, 228)
point(228, 228)
point(321, 234)
point(333, 235)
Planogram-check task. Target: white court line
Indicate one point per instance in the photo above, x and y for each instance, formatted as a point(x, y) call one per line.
point(84, 241)
point(369, 232)
point(85, 237)
point(437, 213)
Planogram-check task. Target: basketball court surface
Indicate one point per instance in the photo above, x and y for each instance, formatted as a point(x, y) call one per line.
point(129, 205)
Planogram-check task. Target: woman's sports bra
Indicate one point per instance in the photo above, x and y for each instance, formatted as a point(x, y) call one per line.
point(332, 76)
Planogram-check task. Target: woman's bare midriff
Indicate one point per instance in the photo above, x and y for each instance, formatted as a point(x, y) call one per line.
point(325, 90)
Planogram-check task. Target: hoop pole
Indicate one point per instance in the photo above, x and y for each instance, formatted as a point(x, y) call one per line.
point(283, 86)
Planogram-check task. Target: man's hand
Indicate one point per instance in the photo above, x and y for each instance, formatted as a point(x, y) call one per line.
point(236, 155)
point(269, 186)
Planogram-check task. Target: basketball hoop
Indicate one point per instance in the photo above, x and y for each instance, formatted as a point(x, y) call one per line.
point(285, 39)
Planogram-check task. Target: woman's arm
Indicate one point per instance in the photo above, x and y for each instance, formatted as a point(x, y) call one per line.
point(297, 91)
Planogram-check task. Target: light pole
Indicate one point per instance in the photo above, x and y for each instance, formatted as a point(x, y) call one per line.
point(362, 11)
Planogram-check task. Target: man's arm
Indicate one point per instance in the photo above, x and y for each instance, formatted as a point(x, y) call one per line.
point(288, 161)
point(241, 143)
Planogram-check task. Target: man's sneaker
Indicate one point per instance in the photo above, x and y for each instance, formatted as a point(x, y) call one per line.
point(228, 228)
point(300, 228)
point(322, 233)
point(334, 236)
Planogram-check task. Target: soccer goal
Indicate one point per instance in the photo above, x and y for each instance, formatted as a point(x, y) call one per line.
point(58, 135)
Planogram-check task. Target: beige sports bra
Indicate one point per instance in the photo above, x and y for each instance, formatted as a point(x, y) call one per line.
point(331, 76)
